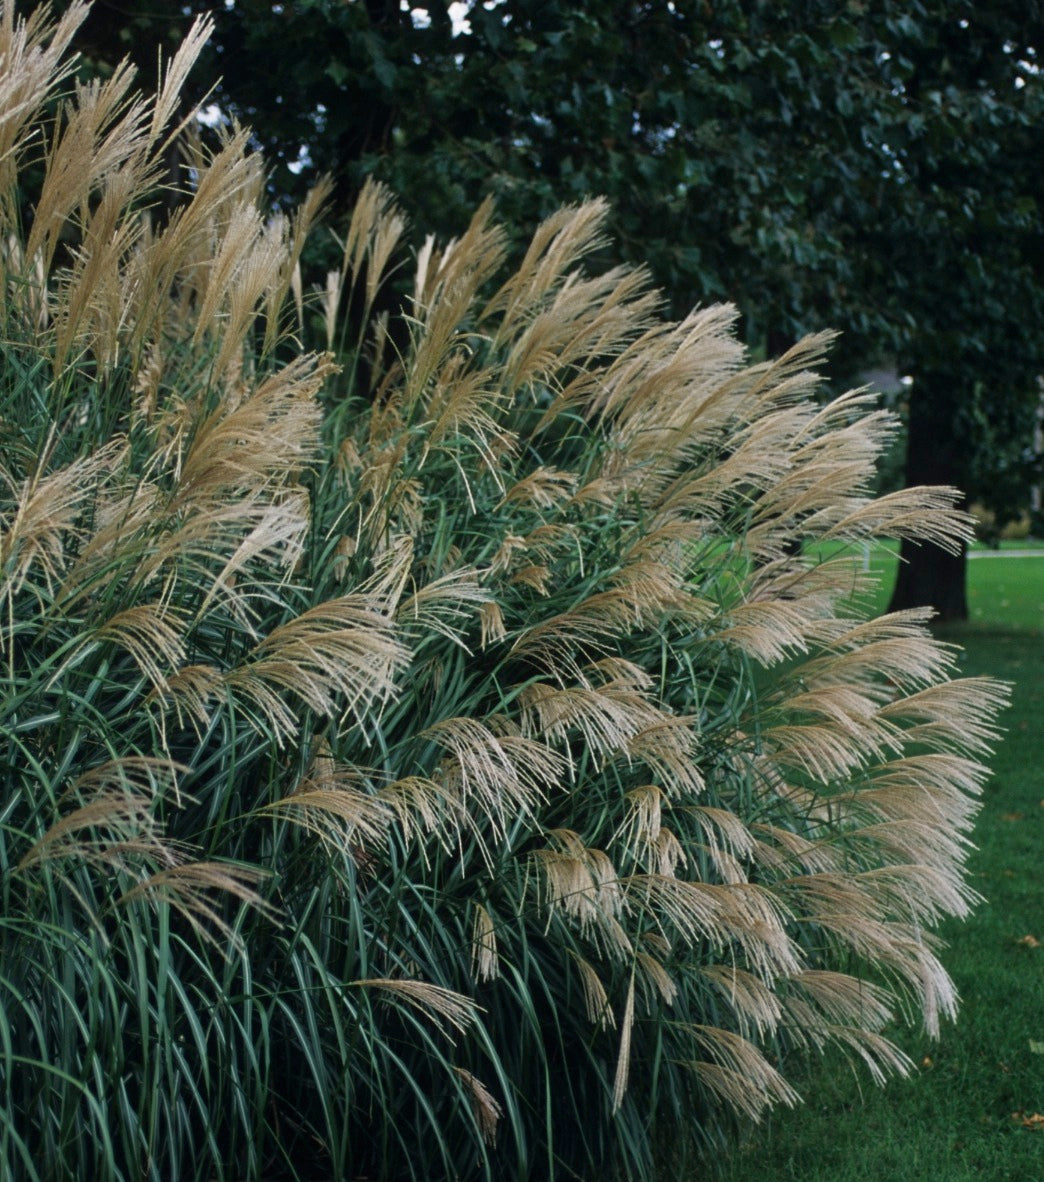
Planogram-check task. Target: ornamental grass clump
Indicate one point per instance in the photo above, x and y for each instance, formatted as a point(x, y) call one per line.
point(447, 759)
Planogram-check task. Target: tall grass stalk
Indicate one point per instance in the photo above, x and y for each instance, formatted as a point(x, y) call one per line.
point(448, 768)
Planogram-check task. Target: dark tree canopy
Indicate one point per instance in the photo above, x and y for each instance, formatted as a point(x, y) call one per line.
point(870, 165)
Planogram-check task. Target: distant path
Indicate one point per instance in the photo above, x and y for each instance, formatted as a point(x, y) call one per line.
point(1006, 553)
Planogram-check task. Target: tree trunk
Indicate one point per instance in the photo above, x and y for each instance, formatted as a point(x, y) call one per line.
point(928, 576)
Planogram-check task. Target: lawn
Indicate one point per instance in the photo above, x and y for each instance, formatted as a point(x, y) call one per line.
point(967, 1112)
point(1005, 593)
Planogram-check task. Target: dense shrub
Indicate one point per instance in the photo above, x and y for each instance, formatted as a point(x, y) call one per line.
point(458, 765)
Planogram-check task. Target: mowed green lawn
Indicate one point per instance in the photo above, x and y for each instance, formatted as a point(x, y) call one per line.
point(967, 1113)
point(1006, 592)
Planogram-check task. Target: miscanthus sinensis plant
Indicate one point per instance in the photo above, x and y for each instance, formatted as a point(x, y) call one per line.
point(453, 766)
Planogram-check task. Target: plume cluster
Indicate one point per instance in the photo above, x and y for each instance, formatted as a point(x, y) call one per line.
point(464, 757)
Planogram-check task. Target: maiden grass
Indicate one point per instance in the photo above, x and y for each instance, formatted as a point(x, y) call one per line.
point(444, 763)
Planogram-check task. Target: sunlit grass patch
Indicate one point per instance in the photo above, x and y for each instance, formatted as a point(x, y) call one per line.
point(1007, 592)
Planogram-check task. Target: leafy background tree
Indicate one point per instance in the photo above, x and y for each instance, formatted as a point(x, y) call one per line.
point(870, 166)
